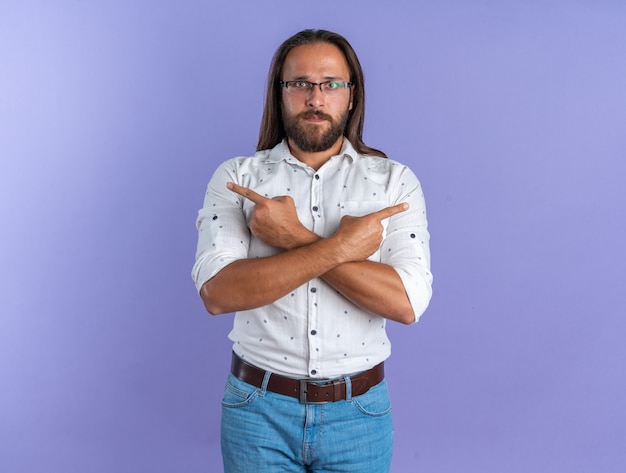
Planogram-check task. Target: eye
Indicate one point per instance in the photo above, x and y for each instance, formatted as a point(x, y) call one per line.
point(333, 85)
point(300, 84)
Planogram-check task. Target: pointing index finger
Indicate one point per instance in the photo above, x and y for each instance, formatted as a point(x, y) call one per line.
point(391, 211)
point(246, 192)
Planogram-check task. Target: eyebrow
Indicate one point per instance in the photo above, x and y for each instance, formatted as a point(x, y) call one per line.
point(325, 78)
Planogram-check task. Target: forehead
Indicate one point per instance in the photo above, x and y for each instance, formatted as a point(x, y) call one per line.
point(317, 60)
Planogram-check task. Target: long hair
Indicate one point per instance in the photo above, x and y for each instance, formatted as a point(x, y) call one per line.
point(272, 129)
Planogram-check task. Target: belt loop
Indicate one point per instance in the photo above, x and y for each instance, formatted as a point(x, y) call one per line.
point(348, 389)
point(266, 380)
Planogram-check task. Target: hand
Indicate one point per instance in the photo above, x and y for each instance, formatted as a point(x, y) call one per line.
point(275, 221)
point(360, 237)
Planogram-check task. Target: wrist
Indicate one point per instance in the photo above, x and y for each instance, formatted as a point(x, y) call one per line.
point(303, 238)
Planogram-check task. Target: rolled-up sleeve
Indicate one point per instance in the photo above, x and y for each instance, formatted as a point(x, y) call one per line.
point(223, 235)
point(406, 245)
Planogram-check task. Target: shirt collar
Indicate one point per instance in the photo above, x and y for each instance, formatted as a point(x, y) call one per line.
point(281, 152)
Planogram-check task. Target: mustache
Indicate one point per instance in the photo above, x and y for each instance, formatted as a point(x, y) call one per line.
point(315, 113)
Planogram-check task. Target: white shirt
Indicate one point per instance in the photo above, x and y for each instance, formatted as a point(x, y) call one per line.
point(314, 331)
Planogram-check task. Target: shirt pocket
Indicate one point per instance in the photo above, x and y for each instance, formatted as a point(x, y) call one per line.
point(359, 208)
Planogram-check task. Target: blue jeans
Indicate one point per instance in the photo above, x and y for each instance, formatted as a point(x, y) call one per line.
point(265, 432)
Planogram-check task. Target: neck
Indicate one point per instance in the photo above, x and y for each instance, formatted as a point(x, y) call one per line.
point(315, 160)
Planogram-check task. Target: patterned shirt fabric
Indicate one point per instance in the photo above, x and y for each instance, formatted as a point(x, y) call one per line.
point(315, 332)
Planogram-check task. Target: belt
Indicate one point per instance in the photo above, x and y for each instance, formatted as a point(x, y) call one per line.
point(308, 391)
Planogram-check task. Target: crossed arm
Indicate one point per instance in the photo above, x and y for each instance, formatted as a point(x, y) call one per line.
point(340, 260)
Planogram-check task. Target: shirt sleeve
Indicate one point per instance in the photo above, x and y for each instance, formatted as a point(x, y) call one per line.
point(223, 235)
point(406, 245)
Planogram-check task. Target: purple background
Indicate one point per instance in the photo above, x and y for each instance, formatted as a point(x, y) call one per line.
point(113, 116)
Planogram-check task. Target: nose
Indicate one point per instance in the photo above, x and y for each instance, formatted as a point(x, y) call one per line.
point(315, 97)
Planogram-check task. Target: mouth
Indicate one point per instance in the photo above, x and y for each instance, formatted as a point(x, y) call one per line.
point(315, 119)
point(315, 116)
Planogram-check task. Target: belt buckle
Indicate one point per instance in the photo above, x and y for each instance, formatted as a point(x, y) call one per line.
point(303, 393)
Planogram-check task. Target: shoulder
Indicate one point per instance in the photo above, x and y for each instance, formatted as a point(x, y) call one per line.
point(233, 169)
point(387, 166)
point(240, 165)
point(373, 162)
point(239, 162)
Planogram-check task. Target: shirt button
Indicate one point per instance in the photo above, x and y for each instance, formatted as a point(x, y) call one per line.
point(313, 289)
point(313, 371)
point(313, 332)
point(315, 208)
point(317, 176)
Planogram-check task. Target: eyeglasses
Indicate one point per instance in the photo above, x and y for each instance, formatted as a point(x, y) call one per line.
point(302, 87)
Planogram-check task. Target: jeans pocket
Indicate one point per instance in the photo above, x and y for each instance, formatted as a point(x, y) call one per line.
point(375, 402)
point(237, 393)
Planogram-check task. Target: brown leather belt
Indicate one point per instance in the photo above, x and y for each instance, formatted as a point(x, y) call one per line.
point(308, 391)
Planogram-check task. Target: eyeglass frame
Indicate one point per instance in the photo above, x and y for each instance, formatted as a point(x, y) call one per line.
point(343, 85)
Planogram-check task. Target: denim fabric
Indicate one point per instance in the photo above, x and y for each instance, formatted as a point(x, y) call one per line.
point(265, 432)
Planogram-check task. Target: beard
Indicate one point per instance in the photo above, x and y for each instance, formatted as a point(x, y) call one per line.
point(312, 138)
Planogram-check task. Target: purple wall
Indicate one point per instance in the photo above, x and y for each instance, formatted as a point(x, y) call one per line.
point(113, 116)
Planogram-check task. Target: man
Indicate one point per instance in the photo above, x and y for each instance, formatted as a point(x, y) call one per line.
point(314, 242)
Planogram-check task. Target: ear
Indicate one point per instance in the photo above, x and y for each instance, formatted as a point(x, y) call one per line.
point(351, 97)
